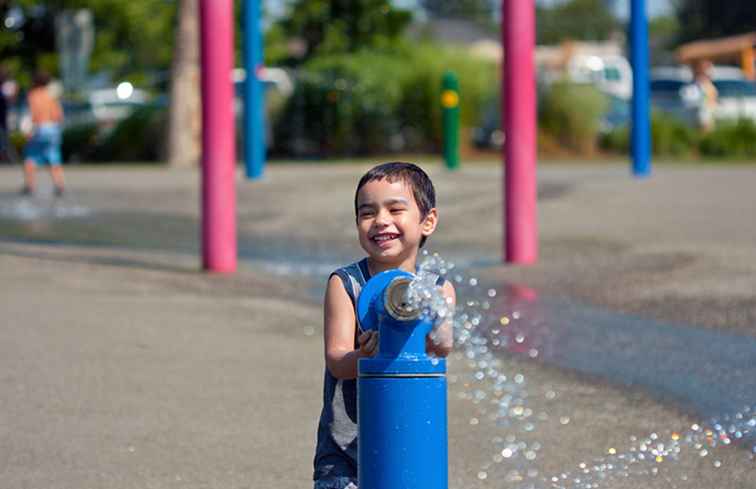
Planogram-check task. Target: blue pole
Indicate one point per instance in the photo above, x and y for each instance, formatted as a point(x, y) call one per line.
point(401, 394)
point(254, 96)
point(641, 128)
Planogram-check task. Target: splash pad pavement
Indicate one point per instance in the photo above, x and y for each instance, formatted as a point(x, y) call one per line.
point(122, 366)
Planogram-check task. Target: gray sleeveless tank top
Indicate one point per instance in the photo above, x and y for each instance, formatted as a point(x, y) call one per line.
point(336, 450)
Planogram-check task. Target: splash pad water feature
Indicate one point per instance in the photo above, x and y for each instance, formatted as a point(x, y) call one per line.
point(490, 333)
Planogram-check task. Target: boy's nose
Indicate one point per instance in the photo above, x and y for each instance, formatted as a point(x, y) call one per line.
point(383, 218)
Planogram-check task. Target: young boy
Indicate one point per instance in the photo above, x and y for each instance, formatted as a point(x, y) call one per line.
point(395, 207)
point(43, 147)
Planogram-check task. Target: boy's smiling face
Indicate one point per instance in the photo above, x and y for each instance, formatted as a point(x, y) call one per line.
point(390, 225)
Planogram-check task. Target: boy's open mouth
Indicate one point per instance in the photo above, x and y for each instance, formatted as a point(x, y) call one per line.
point(384, 238)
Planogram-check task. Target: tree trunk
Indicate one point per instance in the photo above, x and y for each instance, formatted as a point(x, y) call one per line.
point(185, 111)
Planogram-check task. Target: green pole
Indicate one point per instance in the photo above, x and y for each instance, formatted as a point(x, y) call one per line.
point(450, 119)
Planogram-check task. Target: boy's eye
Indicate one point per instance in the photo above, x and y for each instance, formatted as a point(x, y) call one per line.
point(366, 213)
point(397, 210)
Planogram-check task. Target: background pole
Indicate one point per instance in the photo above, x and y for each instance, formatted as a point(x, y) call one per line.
point(641, 130)
point(519, 115)
point(450, 119)
point(254, 95)
point(218, 137)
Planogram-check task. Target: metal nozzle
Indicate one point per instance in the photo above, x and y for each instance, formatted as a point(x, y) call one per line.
point(396, 300)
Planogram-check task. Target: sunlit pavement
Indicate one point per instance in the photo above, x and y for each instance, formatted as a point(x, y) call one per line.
point(121, 366)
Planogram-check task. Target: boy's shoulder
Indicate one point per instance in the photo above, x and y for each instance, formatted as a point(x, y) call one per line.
point(357, 270)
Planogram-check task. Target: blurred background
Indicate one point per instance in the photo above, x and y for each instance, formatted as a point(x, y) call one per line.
point(347, 78)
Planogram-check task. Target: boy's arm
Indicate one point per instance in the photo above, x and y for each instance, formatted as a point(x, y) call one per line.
point(444, 334)
point(338, 333)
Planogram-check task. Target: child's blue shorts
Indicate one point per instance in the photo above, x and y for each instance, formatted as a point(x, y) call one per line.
point(44, 146)
point(336, 483)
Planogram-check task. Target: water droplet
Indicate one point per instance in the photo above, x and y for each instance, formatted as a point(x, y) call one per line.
point(491, 293)
point(482, 475)
point(473, 421)
point(564, 419)
point(717, 464)
point(473, 282)
point(309, 330)
point(504, 320)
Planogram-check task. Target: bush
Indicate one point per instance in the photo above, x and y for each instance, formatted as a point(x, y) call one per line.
point(572, 113)
point(139, 137)
point(79, 142)
point(373, 101)
point(669, 137)
point(730, 139)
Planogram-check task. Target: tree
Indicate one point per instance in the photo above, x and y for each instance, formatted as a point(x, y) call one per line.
point(579, 20)
point(701, 19)
point(132, 38)
point(185, 110)
point(338, 26)
point(481, 11)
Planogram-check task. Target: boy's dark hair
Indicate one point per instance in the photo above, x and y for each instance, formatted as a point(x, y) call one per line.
point(41, 78)
point(410, 174)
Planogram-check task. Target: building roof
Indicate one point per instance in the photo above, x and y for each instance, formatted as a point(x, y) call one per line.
point(721, 48)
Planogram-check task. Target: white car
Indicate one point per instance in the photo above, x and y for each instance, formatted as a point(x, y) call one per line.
point(673, 91)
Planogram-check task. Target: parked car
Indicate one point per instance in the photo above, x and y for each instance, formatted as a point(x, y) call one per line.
point(736, 99)
point(674, 92)
point(104, 107)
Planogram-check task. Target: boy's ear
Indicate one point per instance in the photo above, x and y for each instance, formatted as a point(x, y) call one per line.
point(430, 222)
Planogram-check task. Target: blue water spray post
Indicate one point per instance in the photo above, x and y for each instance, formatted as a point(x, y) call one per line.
point(401, 393)
point(641, 129)
point(254, 96)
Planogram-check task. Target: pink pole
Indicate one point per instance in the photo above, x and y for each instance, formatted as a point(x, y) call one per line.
point(218, 134)
point(519, 110)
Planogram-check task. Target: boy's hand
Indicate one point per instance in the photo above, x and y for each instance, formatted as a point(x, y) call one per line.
point(368, 342)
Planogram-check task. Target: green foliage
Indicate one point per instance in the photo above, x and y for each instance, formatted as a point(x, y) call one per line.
point(375, 101)
point(572, 113)
point(79, 142)
point(730, 139)
point(575, 20)
point(131, 37)
point(328, 27)
point(671, 137)
point(139, 137)
point(479, 11)
point(700, 19)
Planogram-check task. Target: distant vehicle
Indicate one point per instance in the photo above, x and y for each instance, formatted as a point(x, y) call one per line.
point(611, 74)
point(736, 99)
point(104, 107)
point(674, 92)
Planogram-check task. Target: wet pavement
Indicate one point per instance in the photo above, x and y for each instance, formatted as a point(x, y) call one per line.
point(643, 296)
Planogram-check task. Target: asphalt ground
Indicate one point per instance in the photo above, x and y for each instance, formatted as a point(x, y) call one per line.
point(124, 366)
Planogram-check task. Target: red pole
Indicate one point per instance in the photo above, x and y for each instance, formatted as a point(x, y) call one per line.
point(218, 144)
point(519, 110)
